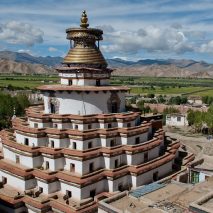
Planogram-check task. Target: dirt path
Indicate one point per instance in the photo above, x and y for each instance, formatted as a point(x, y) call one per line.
point(198, 145)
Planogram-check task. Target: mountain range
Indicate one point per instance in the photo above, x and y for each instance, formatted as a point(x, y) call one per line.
point(14, 62)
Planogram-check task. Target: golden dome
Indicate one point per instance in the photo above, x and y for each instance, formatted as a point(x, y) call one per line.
point(85, 51)
point(84, 55)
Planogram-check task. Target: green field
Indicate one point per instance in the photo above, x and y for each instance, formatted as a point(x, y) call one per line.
point(170, 90)
point(162, 81)
point(167, 86)
point(138, 85)
point(205, 93)
point(26, 82)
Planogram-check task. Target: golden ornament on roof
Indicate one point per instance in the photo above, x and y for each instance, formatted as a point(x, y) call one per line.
point(84, 20)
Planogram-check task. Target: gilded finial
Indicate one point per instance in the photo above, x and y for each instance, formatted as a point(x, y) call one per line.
point(84, 20)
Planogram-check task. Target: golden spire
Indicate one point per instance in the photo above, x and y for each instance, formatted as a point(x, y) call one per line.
point(84, 20)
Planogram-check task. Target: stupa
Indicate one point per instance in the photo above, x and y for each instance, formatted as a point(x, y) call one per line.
point(81, 145)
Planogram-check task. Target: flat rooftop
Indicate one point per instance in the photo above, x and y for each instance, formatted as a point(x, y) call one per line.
point(174, 197)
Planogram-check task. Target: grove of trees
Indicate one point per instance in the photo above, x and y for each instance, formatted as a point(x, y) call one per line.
point(178, 100)
point(201, 121)
point(207, 100)
point(144, 109)
point(7, 106)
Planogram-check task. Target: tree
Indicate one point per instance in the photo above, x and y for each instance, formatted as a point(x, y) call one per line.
point(155, 111)
point(160, 99)
point(209, 119)
point(178, 100)
point(140, 105)
point(207, 100)
point(191, 117)
point(150, 95)
point(199, 121)
point(7, 106)
point(23, 102)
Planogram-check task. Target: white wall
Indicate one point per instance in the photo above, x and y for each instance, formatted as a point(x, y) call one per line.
point(82, 145)
point(106, 142)
point(124, 181)
point(147, 177)
point(99, 186)
point(131, 140)
point(59, 143)
point(17, 182)
point(110, 161)
point(54, 163)
point(105, 125)
point(138, 158)
point(76, 191)
point(82, 167)
point(40, 124)
point(33, 141)
point(49, 187)
point(172, 120)
point(83, 103)
point(84, 82)
point(77, 163)
point(28, 161)
point(121, 124)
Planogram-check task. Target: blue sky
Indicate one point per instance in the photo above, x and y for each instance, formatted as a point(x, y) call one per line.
point(133, 29)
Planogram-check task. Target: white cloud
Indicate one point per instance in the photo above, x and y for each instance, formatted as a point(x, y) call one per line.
point(52, 49)
point(151, 39)
point(207, 48)
point(15, 32)
point(25, 51)
point(121, 57)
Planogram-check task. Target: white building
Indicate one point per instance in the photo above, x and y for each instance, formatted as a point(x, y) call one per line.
point(81, 145)
point(176, 119)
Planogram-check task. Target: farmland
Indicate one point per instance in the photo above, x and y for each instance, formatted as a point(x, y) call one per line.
point(138, 85)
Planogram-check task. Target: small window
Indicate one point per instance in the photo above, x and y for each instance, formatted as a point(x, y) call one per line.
point(168, 118)
point(40, 189)
point(76, 126)
point(52, 144)
point(26, 141)
point(92, 193)
point(120, 187)
point(70, 82)
point(74, 145)
point(98, 82)
point(89, 126)
point(114, 107)
point(178, 118)
point(155, 176)
point(137, 140)
point(55, 126)
point(116, 163)
point(4, 180)
point(52, 108)
point(146, 157)
point(112, 143)
point(72, 167)
point(68, 193)
point(35, 125)
point(109, 125)
point(89, 145)
point(17, 159)
point(47, 165)
point(91, 167)
point(128, 124)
